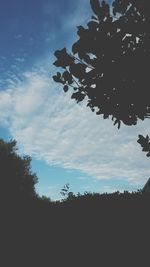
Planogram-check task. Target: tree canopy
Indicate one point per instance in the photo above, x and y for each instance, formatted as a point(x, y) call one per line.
point(16, 178)
point(109, 63)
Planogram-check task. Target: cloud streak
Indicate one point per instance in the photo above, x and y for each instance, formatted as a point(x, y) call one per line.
point(49, 125)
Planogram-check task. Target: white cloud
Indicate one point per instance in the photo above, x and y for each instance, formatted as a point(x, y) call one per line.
point(49, 125)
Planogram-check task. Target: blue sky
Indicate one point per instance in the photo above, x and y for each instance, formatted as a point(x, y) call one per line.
point(68, 143)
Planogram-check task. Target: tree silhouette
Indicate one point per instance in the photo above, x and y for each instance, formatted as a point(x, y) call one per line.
point(109, 62)
point(16, 178)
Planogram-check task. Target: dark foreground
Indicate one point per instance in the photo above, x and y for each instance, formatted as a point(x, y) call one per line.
point(109, 230)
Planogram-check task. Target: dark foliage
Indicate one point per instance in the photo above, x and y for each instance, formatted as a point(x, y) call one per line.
point(109, 63)
point(16, 178)
point(145, 144)
point(85, 230)
point(79, 230)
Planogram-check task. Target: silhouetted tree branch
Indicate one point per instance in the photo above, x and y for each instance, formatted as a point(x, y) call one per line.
point(115, 49)
point(109, 63)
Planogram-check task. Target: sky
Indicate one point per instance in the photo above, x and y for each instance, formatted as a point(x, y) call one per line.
point(67, 142)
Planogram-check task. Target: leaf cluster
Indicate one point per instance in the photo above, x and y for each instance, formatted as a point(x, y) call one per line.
point(109, 63)
point(145, 144)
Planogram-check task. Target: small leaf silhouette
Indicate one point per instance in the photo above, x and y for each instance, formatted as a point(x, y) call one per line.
point(78, 96)
point(78, 70)
point(66, 88)
point(67, 77)
point(95, 5)
point(148, 154)
point(63, 58)
point(59, 74)
point(56, 78)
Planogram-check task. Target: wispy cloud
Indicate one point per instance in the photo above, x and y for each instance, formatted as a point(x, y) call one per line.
point(18, 36)
point(49, 125)
point(20, 59)
point(74, 14)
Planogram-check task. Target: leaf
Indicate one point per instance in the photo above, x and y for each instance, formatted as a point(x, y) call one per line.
point(56, 78)
point(58, 74)
point(67, 77)
point(95, 5)
point(103, 3)
point(99, 112)
point(65, 88)
point(57, 64)
point(78, 70)
point(148, 154)
point(142, 140)
point(75, 48)
point(105, 116)
point(63, 58)
point(117, 122)
point(58, 53)
point(105, 9)
point(145, 144)
point(78, 96)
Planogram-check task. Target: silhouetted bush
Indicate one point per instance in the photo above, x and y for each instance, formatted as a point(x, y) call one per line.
point(17, 182)
point(44, 232)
